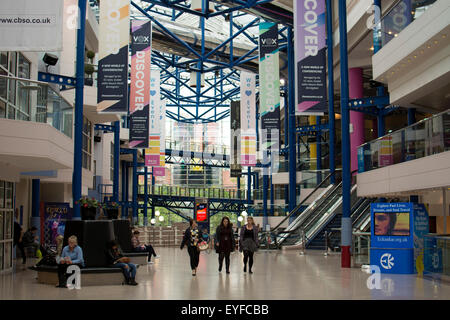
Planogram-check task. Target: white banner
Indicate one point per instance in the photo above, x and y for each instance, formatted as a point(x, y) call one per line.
point(31, 25)
point(152, 154)
point(248, 119)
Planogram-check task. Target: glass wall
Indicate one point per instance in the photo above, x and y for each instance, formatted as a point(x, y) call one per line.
point(427, 137)
point(6, 225)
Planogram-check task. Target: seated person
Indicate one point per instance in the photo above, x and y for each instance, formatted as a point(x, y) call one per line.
point(116, 259)
point(138, 247)
point(71, 254)
point(29, 239)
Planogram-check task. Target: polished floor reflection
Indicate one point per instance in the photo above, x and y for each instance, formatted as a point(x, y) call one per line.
point(277, 275)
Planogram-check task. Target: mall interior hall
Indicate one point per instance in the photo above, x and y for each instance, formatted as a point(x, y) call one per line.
point(131, 128)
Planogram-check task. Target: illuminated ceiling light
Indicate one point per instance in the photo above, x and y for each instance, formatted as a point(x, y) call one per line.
point(153, 221)
point(415, 57)
point(371, 48)
point(157, 213)
point(161, 218)
point(429, 46)
point(390, 32)
point(395, 35)
point(444, 36)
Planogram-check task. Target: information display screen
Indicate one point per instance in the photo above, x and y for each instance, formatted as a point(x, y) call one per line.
point(392, 224)
point(202, 212)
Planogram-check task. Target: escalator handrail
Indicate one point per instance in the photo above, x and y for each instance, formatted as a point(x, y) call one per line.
point(303, 201)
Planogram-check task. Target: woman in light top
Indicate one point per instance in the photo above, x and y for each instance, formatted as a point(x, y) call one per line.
point(71, 254)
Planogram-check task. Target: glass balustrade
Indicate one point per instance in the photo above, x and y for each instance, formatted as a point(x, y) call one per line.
point(436, 256)
point(38, 102)
point(427, 137)
point(178, 191)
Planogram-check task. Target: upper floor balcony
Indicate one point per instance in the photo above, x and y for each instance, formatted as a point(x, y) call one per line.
point(408, 160)
point(414, 60)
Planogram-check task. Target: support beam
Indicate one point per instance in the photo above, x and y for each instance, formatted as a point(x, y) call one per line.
point(135, 187)
point(346, 227)
point(35, 205)
point(411, 116)
point(116, 161)
point(331, 115)
point(78, 126)
point(292, 135)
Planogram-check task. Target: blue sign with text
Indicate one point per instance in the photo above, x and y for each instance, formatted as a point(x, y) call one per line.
point(391, 225)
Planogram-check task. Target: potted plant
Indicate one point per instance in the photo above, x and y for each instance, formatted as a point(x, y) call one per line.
point(89, 70)
point(112, 211)
point(88, 207)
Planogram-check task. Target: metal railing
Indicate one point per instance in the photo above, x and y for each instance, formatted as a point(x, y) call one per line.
point(38, 101)
point(205, 192)
point(424, 138)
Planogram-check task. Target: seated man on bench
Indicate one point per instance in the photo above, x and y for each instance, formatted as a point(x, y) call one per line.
point(117, 260)
point(138, 247)
point(71, 254)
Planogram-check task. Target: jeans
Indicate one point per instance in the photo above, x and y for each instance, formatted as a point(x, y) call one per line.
point(194, 254)
point(128, 269)
point(148, 248)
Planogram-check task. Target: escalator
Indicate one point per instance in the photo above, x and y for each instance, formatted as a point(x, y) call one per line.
point(291, 235)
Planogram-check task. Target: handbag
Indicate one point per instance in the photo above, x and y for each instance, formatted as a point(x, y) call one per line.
point(202, 246)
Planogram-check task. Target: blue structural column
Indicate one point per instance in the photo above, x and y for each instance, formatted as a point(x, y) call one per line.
point(292, 138)
point(346, 227)
point(376, 48)
point(124, 186)
point(319, 153)
point(411, 116)
point(145, 193)
point(78, 130)
point(35, 204)
point(331, 116)
point(135, 187)
point(249, 185)
point(116, 161)
point(380, 117)
point(265, 189)
point(286, 139)
point(153, 187)
point(127, 190)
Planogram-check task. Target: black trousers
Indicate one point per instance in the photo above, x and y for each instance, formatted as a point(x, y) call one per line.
point(148, 248)
point(62, 272)
point(225, 255)
point(22, 251)
point(194, 254)
point(248, 256)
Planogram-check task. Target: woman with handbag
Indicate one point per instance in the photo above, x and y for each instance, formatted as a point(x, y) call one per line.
point(249, 243)
point(192, 238)
point(224, 242)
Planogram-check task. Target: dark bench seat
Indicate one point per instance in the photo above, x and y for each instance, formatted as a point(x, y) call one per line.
point(92, 276)
point(137, 257)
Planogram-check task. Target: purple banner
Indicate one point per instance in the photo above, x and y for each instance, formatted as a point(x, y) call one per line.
point(310, 57)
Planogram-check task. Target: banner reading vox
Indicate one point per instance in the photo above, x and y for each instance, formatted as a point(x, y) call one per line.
point(140, 83)
point(248, 119)
point(310, 57)
point(269, 83)
point(152, 154)
point(30, 25)
point(113, 56)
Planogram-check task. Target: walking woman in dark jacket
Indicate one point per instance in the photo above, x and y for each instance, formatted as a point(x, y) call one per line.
point(248, 243)
point(224, 242)
point(192, 237)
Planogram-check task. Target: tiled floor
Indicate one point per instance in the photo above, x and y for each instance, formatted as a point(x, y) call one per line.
point(277, 275)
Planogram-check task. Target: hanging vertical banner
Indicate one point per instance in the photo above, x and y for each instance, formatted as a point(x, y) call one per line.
point(269, 83)
point(161, 170)
point(248, 119)
point(310, 57)
point(114, 36)
point(152, 154)
point(235, 126)
point(140, 83)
